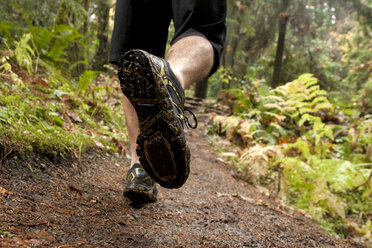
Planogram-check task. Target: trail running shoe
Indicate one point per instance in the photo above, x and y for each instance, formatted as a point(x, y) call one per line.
point(140, 186)
point(158, 99)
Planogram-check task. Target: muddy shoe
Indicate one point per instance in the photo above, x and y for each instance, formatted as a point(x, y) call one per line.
point(158, 99)
point(140, 186)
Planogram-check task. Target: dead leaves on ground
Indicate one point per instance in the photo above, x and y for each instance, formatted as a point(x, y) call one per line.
point(4, 191)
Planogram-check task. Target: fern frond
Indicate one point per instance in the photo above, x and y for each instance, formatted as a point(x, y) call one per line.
point(306, 110)
point(23, 52)
point(313, 88)
point(273, 106)
point(323, 105)
point(273, 97)
point(318, 93)
point(304, 118)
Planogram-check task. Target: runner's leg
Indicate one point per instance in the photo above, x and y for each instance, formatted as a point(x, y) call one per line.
point(131, 120)
point(191, 59)
point(133, 30)
point(199, 26)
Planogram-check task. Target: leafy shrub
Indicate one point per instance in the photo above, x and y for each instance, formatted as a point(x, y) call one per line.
point(326, 188)
point(24, 52)
point(275, 112)
point(43, 111)
point(321, 167)
point(49, 45)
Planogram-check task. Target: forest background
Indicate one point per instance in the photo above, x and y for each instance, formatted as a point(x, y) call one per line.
point(295, 83)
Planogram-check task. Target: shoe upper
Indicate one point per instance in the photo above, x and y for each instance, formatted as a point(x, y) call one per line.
point(137, 176)
point(140, 186)
point(158, 98)
point(174, 88)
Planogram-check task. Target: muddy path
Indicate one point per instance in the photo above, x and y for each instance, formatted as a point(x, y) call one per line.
point(80, 204)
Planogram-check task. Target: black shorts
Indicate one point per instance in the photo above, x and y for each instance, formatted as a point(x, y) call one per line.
point(144, 24)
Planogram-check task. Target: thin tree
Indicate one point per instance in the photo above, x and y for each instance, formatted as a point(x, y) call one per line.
point(201, 89)
point(102, 29)
point(283, 21)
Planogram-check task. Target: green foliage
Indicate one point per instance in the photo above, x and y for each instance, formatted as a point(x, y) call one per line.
point(67, 33)
point(49, 45)
point(52, 43)
point(302, 99)
point(5, 30)
point(326, 188)
point(49, 113)
point(365, 128)
point(28, 125)
point(357, 56)
point(71, 11)
point(303, 96)
point(24, 12)
point(329, 39)
point(85, 80)
point(23, 52)
point(323, 169)
point(223, 79)
point(275, 111)
point(366, 99)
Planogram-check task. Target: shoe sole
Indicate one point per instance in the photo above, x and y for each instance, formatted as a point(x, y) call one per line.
point(139, 194)
point(161, 143)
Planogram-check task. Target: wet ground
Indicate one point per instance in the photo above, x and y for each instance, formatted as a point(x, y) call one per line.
point(80, 204)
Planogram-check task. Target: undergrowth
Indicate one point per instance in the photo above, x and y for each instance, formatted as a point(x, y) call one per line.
point(306, 150)
point(45, 111)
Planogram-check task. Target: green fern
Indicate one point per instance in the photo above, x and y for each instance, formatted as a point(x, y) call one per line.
point(302, 99)
point(85, 80)
point(303, 96)
point(325, 188)
point(23, 52)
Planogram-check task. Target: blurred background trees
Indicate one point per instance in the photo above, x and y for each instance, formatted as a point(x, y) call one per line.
point(275, 41)
point(271, 41)
point(80, 27)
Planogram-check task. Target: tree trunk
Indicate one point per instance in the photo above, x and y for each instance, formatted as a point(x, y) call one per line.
point(232, 40)
point(201, 89)
point(76, 52)
point(62, 14)
point(280, 45)
point(363, 10)
point(103, 16)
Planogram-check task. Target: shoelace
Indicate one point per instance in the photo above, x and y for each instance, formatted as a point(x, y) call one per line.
point(185, 118)
point(188, 125)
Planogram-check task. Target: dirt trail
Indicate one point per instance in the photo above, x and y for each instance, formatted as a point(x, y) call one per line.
point(80, 204)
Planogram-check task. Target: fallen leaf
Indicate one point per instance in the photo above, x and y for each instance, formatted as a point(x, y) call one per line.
point(5, 192)
point(228, 154)
point(46, 236)
point(283, 140)
point(41, 81)
point(27, 132)
point(99, 144)
point(247, 199)
point(112, 102)
point(229, 48)
point(74, 116)
point(74, 188)
point(121, 221)
point(224, 195)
